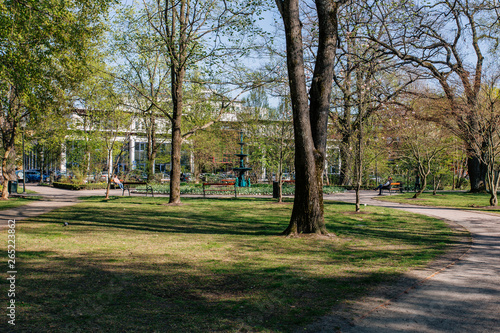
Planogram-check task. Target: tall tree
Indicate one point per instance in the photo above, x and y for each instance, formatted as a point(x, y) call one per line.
point(366, 80)
point(434, 36)
point(486, 134)
point(145, 75)
point(196, 33)
point(45, 45)
point(310, 111)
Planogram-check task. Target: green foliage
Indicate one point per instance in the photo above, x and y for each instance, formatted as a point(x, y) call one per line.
point(45, 49)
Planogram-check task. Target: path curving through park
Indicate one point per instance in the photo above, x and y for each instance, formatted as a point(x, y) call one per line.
point(463, 295)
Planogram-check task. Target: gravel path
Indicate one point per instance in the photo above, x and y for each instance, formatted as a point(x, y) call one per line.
point(52, 199)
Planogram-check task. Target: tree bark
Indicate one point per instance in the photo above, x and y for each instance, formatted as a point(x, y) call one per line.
point(310, 121)
point(152, 150)
point(5, 173)
point(423, 177)
point(175, 173)
point(177, 57)
point(475, 169)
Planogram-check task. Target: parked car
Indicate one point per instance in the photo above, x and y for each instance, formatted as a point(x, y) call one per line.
point(104, 177)
point(34, 176)
point(185, 177)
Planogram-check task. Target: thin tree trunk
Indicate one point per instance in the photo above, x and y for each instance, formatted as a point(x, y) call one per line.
point(152, 150)
point(175, 173)
point(346, 159)
point(178, 70)
point(108, 187)
point(5, 173)
point(423, 177)
point(280, 168)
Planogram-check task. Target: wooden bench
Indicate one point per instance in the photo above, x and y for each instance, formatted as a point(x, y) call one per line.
point(132, 185)
point(220, 187)
point(394, 187)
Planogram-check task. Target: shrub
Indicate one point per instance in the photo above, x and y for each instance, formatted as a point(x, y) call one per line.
point(76, 187)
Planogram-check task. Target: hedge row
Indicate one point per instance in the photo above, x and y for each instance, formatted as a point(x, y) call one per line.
point(77, 187)
point(258, 189)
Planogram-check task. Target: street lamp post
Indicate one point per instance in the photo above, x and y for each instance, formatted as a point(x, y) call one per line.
point(24, 168)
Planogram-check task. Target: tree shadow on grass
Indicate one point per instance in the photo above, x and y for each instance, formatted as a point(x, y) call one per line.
point(255, 217)
point(154, 217)
point(94, 293)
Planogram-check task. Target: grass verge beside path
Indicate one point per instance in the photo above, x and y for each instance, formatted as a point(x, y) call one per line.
point(133, 264)
point(459, 200)
point(14, 202)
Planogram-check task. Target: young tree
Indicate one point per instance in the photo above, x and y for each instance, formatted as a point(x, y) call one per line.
point(110, 121)
point(424, 143)
point(310, 111)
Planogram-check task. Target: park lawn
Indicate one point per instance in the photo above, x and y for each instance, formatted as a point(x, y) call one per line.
point(133, 264)
point(451, 199)
point(14, 202)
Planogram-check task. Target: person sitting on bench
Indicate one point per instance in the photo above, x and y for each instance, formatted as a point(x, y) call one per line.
point(386, 186)
point(117, 182)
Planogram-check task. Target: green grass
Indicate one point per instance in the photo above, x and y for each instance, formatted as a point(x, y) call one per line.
point(455, 199)
point(14, 202)
point(133, 264)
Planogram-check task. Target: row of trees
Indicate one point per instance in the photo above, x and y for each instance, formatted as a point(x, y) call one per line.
point(352, 65)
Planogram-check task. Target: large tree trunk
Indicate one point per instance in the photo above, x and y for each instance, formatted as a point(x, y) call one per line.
point(310, 122)
point(476, 170)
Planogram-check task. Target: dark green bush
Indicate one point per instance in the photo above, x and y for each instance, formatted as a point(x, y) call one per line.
point(77, 187)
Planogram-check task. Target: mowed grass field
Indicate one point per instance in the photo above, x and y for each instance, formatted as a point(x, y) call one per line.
point(134, 264)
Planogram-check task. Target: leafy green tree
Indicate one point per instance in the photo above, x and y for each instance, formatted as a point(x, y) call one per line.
point(424, 151)
point(140, 66)
point(45, 46)
point(111, 121)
